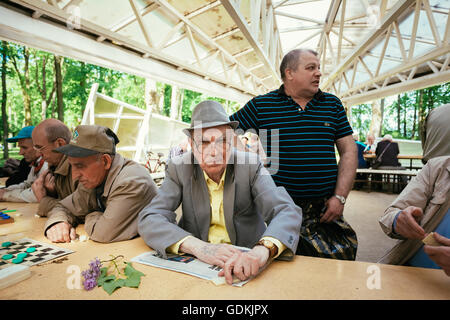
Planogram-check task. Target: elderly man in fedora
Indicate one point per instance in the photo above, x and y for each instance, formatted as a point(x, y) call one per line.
point(111, 192)
point(226, 201)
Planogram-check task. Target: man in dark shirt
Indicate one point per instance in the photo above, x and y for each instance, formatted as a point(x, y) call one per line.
point(299, 126)
point(388, 151)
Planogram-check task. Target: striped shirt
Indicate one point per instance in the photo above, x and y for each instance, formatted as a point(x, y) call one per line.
point(299, 143)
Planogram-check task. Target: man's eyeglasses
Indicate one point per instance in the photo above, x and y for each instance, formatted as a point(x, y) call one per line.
point(218, 144)
point(40, 149)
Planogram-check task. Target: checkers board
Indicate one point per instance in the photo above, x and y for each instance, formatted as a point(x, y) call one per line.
point(42, 252)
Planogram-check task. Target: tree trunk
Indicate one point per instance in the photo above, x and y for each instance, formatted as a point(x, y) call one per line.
point(404, 120)
point(413, 133)
point(24, 80)
point(4, 99)
point(375, 123)
point(83, 86)
point(151, 95)
point(382, 117)
point(176, 103)
point(43, 90)
point(421, 112)
point(59, 93)
point(398, 114)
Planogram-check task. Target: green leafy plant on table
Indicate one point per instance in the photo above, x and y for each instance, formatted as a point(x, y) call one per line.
point(114, 276)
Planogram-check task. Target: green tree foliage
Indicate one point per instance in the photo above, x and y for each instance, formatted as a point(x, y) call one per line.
point(30, 78)
point(403, 118)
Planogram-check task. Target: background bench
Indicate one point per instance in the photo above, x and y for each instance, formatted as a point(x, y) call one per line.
point(390, 177)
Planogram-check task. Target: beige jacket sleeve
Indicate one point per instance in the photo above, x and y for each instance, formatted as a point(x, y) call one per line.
point(19, 195)
point(119, 221)
point(416, 194)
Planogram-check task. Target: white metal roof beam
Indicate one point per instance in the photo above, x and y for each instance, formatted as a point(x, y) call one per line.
point(22, 29)
point(251, 34)
point(389, 18)
point(164, 4)
point(405, 67)
point(402, 86)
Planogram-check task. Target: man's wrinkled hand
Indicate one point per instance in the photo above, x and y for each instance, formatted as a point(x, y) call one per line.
point(245, 265)
point(49, 183)
point(61, 232)
point(2, 192)
point(216, 254)
point(38, 187)
point(440, 255)
point(407, 224)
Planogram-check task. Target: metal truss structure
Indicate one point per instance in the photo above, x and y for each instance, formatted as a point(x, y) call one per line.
point(369, 49)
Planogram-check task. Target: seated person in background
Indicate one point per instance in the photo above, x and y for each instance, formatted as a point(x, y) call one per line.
point(56, 183)
point(22, 192)
point(371, 146)
point(244, 140)
point(178, 149)
point(227, 197)
point(361, 147)
point(16, 170)
point(362, 164)
point(423, 207)
point(256, 147)
point(388, 151)
point(111, 192)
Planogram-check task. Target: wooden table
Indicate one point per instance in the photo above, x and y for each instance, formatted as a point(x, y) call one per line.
point(372, 157)
point(303, 278)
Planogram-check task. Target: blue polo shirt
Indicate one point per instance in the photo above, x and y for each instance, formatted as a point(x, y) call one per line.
point(298, 143)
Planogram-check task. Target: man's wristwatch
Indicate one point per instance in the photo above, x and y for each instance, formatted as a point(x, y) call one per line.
point(273, 249)
point(340, 198)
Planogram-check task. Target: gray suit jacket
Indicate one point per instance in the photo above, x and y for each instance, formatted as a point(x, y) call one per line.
point(250, 201)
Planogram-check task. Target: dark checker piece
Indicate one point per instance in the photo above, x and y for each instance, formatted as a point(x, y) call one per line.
point(36, 259)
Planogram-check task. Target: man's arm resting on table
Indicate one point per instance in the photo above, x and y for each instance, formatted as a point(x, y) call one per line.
point(60, 226)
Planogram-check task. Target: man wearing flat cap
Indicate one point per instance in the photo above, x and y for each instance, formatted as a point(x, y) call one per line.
point(228, 198)
point(111, 192)
point(22, 192)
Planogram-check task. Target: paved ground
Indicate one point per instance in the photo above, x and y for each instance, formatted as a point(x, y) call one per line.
point(362, 211)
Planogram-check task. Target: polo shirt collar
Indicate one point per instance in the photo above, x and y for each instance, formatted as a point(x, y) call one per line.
point(281, 92)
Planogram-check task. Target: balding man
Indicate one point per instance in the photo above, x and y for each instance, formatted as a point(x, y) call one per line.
point(299, 126)
point(57, 183)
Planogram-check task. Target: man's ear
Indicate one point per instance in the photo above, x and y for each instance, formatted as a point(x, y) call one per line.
point(60, 142)
point(107, 161)
point(288, 74)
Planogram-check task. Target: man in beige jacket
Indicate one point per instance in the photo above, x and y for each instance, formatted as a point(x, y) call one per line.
point(423, 206)
point(112, 190)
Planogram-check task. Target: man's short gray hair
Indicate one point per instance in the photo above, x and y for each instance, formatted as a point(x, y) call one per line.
point(58, 130)
point(291, 60)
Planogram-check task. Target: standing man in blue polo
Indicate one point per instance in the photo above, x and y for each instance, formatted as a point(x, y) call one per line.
point(307, 123)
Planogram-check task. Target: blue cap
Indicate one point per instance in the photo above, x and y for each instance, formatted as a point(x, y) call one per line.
point(25, 133)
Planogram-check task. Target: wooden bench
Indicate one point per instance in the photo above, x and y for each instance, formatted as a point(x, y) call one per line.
point(390, 177)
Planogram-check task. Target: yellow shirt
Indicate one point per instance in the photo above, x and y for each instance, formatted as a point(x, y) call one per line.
point(217, 229)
